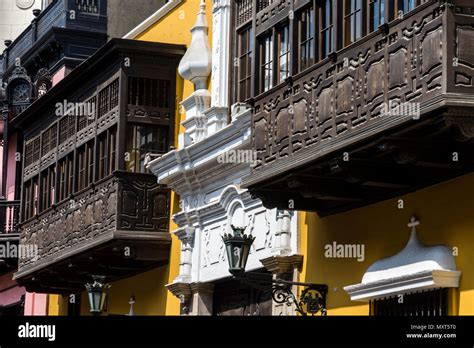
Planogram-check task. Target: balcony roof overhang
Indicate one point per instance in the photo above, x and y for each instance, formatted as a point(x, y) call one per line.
point(104, 256)
point(388, 163)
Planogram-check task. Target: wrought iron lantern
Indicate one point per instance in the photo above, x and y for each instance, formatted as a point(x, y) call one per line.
point(237, 247)
point(97, 295)
point(312, 299)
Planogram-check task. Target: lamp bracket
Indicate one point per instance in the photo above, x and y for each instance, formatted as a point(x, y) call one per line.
point(311, 299)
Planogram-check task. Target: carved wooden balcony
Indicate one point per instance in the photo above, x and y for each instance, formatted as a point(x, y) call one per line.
point(116, 228)
point(322, 138)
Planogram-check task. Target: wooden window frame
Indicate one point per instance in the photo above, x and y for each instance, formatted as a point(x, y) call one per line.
point(27, 200)
point(245, 57)
point(377, 11)
point(82, 167)
point(136, 149)
point(350, 27)
point(267, 61)
point(112, 149)
point(66, 177)
point(102, 156)
point(325, 29)
point(303, 44)
point(284, 53)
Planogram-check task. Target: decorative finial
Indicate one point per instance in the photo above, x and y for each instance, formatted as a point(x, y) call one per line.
point(413, 222)
point(196, 63)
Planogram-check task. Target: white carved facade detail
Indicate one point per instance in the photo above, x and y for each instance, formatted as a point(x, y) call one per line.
point(210, 193)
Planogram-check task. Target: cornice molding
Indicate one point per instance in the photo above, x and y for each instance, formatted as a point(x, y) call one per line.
point(404, 285)
point(282, 264)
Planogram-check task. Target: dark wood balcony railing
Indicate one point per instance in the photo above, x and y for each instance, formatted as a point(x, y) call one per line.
point(124, 206)
point(9, 216)
point(423, 60)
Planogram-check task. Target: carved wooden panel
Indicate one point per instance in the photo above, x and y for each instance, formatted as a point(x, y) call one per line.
point(72, 224)
point(143, 204)
point(341, 101)
point(271, 14)
point(460, 52)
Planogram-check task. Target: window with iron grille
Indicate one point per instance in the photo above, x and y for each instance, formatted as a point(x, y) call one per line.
point(244, 11)
point(108, 98)
point(29, 154)
point(149, 92)
point(49, 137)
point(36, 149)
point(427, 303)
point(89, 114)
point(87, 6)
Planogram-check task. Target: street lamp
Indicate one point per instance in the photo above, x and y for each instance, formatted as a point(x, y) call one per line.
point(96, 294)
point(237, 246)
point(312, 299)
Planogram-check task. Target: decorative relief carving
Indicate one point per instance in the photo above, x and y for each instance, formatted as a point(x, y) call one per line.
point(431, 50)
point(398, 68)
point(72, 224)
point(338, 97)
point(463, 64)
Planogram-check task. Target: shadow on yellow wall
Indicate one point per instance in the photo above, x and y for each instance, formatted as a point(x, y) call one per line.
point(446, 215)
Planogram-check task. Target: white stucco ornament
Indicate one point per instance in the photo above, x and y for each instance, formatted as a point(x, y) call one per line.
point(24, 4)
point(196, 63)
point(414, 258)
point(417, 267)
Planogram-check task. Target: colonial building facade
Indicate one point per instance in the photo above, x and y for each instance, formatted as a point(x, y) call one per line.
point(320, 128)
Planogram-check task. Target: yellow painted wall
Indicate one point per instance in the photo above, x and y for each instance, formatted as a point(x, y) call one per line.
point(54, 305)
point(446, 215)
point(175, 28)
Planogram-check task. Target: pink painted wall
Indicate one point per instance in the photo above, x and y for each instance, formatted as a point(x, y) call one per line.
point(36, 304)
point(59, 75)
point(10, 292)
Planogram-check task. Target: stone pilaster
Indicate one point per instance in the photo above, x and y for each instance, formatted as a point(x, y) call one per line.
point(286, 268)
point(202, 298)
point(186, 236)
